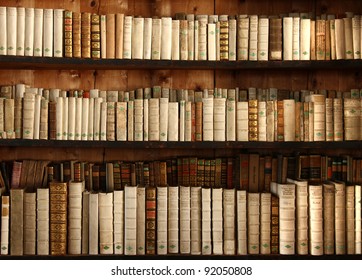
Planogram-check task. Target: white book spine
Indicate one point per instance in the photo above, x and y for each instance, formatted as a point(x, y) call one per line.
point(302, 217)
point(219, 119)
point(188, 121)
point(182, 120)
point(173, 220)
point(130, 220)
point(20, 33)
point(118, 221)
point(173, 121)
point(195, 216)
point(3, 31)
point(229, 226)
point(289, 119)
point(141, 221)
point(71, 118)
point(242, 121)
point(5, 223)
point(75, 190)
point(164, 123)
point(85, 116)
point(28, 116)
point(232, 39)
point(93, 224)
point(358, 239)
point(350, 219)
point(103, 33)
point(206, 241)
point(263, 39)
point(147, 38)
point(211, 41)
point(253, 204)
point(191, 39)
point(37, 105)
point(208, 119)
point(241, 217)
point(29, 223)
point(175, 40)
point(38, 32)
point(265, 223)
point(137, 37)
point(58, 32)
point(154, 119)
point(11, 23)
point(127, 37)
point(202, 39)
point(296, 38)
point(316, 219)
point(305, 39)
point(166, 38)
point(340, 218)
point(138, 119)
point(287, 38)
point(156, 39)
point(185, 219)
point(217, 221)
point(130, 120)
point(196, 40)
point(78, 119)
point(59, 118)
point(90, 120)
point(105, 206)
point(121, 121)
point(253, 38)
point(103, 122)
point(48, 32)
point(230, 120)
point(145, 120)
point(65, 118)
point(85, 222)
point(243, 38)
point(42, 221)
point(262, 121)
point(162, 221)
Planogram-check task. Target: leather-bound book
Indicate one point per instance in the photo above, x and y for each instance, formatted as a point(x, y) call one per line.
point(86, 35)
point(95, 36)
point(68, 33)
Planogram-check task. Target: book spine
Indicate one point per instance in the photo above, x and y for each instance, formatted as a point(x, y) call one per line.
point(208, 119)
point(118, 221)
point(320, 39)
point(263, 39)
point(274, 225)
point(150, 220)
point(358, 239)
point(59, 32)
point(5, 222)
point(185, 219)
point(75, 190)
point(195, 220)
point(77, 35)
point(147, 38)
point(85, 35)
point(38, 32)
point(243, 38)
point(229, 226)
point(48, 32)
point(105, 208)
point(93, 224)
point(29, 223)
point(206, 241)
point(85, 217)
point(253, 38)
point(161, 219)
point(262, 126)
point(130, 220)
point(166, 38)
point(20, 32)
point(175, 40)
point(296, 38)
point(119, 35)
point(241, 213)
point(110, 35)
point(156, 39)
point(173, 220)
point(350, 219)
point(154, 119)
point(305, 29)
point(95, 36)
point(3, 31)
point(265, 223)
point(11, 23)
point(316, 219)
point(253, 210)
point(253, 120)
point(141, 221)
point(137, 38)
point(328, 218)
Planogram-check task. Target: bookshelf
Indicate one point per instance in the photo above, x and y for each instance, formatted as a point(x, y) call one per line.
point(125, 74)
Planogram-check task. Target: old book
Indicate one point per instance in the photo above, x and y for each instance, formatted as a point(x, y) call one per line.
point(348, 38)
point(185, 219)
point(85, 117)
point(229, 226)
point(75, 190)
point(196, 219)
point(164, 122)
point(289, 119)
point(242, 37)
point(305, 34)
point(150, 220)
point(253, 176)
point(154, 119)
point(356, 36)
point(103, 121)
point(253, 37)
point(191, 37)
point(198, 121)
point(232, 39)
point(78, 118)
point(86, 35)
point(95, 36)
point(242, 122)
point(166, 38)
point(111, 35)
point(328, 217)
point(105, 212)
point(28, 115)
point(93, 224)
point(38, 32)
point(253, 218)
point(130, 218)
point(173, 219)
point(141, 220)
point(175, 39)
point(211, 41)
point(119, 30)
point(224, 40)
point(338, 116)
point(3, 31)
point(332, 32)
point(42, 222)
point(11, 24)
point(275, 39)
point(274, 238)
point(262, 125)
point(8, 120)
point(20, 30)
point(313, 40)
point(29, 32)
point(48, 32)
point(58, 217)
point(156, 39)
point(208, 119)
point(241, 217)
point(287, 38)
point(85, 218)
point(320, 39)
point(350, 219)
point(286, 194)
point(206, 226)
point(316, 245)
point(219, 119)
point(265, 223)
point(59, 32)
point(263, 39)
point(202, 36)
point(339, 39)
point(357, 196)
point(77, 33)
point(118, 222)
point(172, 131)
point(162, 221)
point(147, 38)
point(137, 37)
point(253, 120)
point(29, 229)
point(296, 38)
point(217, 221)
point(352, 118)
point(5, 221)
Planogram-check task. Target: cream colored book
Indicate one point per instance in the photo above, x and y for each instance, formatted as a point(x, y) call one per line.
point(173, 220)
point(286, 194)
point(338, 134)
point(184, 39)
point(138, 120)
point(253, 37)
point(5, 221)
point(243, 38)
point(350, 219)
point(185, 219)
point(287, 38)
point(358, 239)
point(348, 38)
point(265, 223)
point(319, 116)
point(156, 39)
point(339, 38)
point(196, 40)
point(172, 126)
point(316, 220)
point(103, 33)
point(182, 120)
point(253, 218)
point(141, 220)
point(196, 219)
point(38, 32)
point(166, 38)
point(119, 35)
point(270, 121)
point(175, 40)
point(9, 118)
point(328, 218)
point(105, 208)
point(164, 122)
point(229, 218)
point(58, 32)
point(351, 118)
point(188, 121)
point(340, 217)
point(11, 23)
point(329, 119)
point(127, 37)
point(332, 32)
point(71, 118)
point(305, 39)
point(356, 36)
point(130, 220)
point(242, 121)
point(202, 37)
point(211, 41)
point(289, 119)
point(85, 116)
point(232, 39)
point(42, 221)
point(206, 241)
point(85, 222)
point(16, 222)
point(154, 119)
point(145, 119)
point(147, 38)
point(262, 127)
point(65, 116)
point(29, 223)
point(162, 219)
point(137, 37)
point(103, 122)
point(20, 32)
point(78, 118)
point(2, 117)
point(118, 222)
point(296, 38)
point(97, 118)
point(28, 115)
point(130, 120)
point(48, 32)
point(3, 31)
point(241, 218)
point(110, 35)
point(230, 120)
point(190, 39)
point(217, 221)
point(208, 119)
point(301, 192)
point(90, 120)
point(263, 39)
point(75, 190)
point(93, 224)
point(121, 121)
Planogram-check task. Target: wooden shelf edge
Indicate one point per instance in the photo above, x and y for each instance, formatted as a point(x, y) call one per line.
point(65, 63)
point(346, 145)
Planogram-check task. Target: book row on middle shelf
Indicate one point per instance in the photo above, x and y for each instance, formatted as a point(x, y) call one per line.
point(293, 36)
point(249, 171)
point(164, 114)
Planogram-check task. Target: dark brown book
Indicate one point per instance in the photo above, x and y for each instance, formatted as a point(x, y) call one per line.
point(280, 121)
point(95, 178)
point(16, 173)
point(163, 173)
point(174, 171)
point(87, 176)
point(244, 171)
point(185, 172)
point(156, 170)
point(139, 174)
point(230, 173)
point(198, 121)
point(261, 174)
point(58, 218)
point(86, 35)
point(152, 174)
point(76, 17)
point(68, 33)
point(207, 173)
point(217, 177)
point(66, 172)
point(133, 173)
point(126, 174)
point(95, 36)
point(267, 173)
point(314, 169)
point(151, 220)
point(253, 173)
point(77, 172)
point(146, 174)
point(193, 121)
point(52, 120)
point(117, 180)
point(201, 172)
point(180, 179)
point(274, 225)
point(169, 172)
point(275, 39)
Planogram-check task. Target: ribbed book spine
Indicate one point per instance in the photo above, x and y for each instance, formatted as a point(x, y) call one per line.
point(95, 36)
point(77, 34)
point(75, 190)
point(130, 220)
point(173, 220)
point(253, 120)
point(350, 219)
point(141, 220)
point(29, 223)
point(105, 208)
point(253, 38)
point(229, 225)
point(5, 221)
point(68, 33)
point(316, 219)
point(253, 210)
point(150, 220)
point(206, 241)
point(118, 221)
point(224, 40)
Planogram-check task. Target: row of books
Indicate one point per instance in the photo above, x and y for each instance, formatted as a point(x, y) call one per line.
point(295, 218)
point(49, 114)
point(65, 33)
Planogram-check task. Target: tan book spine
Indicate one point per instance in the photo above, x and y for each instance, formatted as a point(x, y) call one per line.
point(145, 119)
point(64, 118)
point(232, 40)
point(229, 226)
point(95, 36)
point(202, 38)
point(16, 221)
point(328, 40)
point(8, 125)
point(119, 35)
point(137, 38)
point(85, 35)
point(316, 219)
point(265, 223)
point(253, 120)
point(154, 119)
point(2, 118)
point(195, 220)
point(130, 121)
point(351, 118)
point(253, 38)
point(42, 221)
point(350, 219)
point(172, 117)
point(20, 32)
point(166, 38)
point(118, 221)
point(328, 218)
point(332, 32)
point(311, 121)
point(242, 121)
point(280, 132)
point(313, 46)
point(358, 239)
point(296, 38)
point(105, 208)
point(111, 35)
point(175, 40)
point(208, 119)
point(198, 121)
point(338, 119)
point(206, 241)
point(196, 40)
point(356, 36)
point(184, 39)
point(138, 119)
point(185, 219)
point(75, 190)
point(253, 205)
point(29, 223)
point(111, 121)
point(121, 121)
point(348, 38)
point(164, 122)
point(329, 119)
point(3, 30)
point(5, 221)
point(262, 126)
point(77, 33)
point(305, 33)
point(162, 225)
point(191, 40)
point(90, 120)
point(339, 38)
point(58, 218)
point(224, 40)
point(319, 117)
point(320, 39)
point(78, 119)
point(188, 121)
point(287, 38)
point(173, 220)
point(103, 34)
point(263, 39)
point(243, 38)
point(48, 32)
point(230, 120)
point(270, 121)
point(156, 39)
point(147, 38)
point(28, 116)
